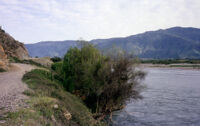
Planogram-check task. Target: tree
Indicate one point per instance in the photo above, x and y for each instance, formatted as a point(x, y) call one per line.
point(104, 83)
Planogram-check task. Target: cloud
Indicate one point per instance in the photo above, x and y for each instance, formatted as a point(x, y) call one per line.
point(39, 20)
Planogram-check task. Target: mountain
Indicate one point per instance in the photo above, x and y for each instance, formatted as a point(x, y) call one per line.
point(50, 48)
point(175, 42)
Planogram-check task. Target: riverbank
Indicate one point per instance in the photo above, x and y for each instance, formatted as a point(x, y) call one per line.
point(174, 66)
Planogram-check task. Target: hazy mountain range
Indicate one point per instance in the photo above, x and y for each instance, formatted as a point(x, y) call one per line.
point(175, 42)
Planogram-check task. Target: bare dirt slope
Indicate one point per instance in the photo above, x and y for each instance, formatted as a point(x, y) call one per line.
point(12, 87)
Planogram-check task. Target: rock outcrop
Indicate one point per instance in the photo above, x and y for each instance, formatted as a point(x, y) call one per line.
point(11, 47)
point(3, 59)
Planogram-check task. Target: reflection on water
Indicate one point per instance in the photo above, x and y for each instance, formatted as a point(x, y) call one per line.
point(172, 98)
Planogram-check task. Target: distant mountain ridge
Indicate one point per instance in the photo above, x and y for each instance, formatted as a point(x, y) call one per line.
point(50, 49)
point(175, 42)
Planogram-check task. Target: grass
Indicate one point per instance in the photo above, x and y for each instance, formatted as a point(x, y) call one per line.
point(16, 60)
point(44, 95)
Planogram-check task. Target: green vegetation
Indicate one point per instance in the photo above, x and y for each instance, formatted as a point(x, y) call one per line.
point(16, 60)
point(191, 66)
point(49, 104)
point(2, 70)
point(103, 83)
point(172, 61)
point(56, 59)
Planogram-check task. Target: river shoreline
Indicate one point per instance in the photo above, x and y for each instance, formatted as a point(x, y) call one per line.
point(171, 98)
point(184, 66)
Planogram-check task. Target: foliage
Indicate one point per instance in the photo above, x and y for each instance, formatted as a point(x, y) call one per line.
point(79, 67)
point(57, 67)
point(2, 70)
point(57, 70)
point(103, 83)
point(56, 59)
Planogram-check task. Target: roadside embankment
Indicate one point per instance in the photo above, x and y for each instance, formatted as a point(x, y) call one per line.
point(49, 104)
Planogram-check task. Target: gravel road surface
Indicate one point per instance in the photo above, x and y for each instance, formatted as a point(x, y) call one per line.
point(12, 87)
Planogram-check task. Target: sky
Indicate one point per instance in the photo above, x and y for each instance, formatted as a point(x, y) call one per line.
point(31, 21)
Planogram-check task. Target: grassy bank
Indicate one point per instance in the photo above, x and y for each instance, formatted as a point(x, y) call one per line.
point(25, 61)
point(49, 104)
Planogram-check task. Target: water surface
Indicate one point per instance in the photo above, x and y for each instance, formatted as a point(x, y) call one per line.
point(172, 98)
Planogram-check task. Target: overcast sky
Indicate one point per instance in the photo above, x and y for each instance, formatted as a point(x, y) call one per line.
point(31, 21)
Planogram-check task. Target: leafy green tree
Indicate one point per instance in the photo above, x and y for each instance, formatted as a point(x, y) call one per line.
point(104, 83)
point(79, 65)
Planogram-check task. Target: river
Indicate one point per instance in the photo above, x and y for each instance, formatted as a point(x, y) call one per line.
point(172, 98)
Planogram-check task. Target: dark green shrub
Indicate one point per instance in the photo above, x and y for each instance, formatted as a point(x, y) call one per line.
point(103, 83)
point(57, 67)
point(56, 59)
point(2, 70)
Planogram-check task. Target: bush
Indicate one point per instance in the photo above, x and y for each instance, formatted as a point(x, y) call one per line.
point(104, 83)
point(57, 67)
point(2, 70)
point(56, 59)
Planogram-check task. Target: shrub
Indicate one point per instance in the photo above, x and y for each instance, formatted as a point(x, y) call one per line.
point(57, 67)
point(2, 70)
point(103, 83)
point(56, 59)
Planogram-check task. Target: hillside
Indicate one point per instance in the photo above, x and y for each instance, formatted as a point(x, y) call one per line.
point(176, 42)
point(3, 60)
point(12, 47)
point(9, 47)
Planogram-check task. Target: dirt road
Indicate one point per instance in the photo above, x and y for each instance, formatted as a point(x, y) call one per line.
point(12, 87)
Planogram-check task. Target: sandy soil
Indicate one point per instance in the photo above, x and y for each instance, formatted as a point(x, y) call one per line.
point(12, 87)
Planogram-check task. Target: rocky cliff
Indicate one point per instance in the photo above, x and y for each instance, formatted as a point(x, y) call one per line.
point(11, 47)
point(3, 59)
